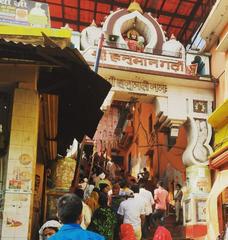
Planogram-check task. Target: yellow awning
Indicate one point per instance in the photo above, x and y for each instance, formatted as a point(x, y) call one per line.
point(36, 32)
point(219, 117)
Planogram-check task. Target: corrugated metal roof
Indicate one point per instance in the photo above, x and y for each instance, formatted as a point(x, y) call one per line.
point(180, 17)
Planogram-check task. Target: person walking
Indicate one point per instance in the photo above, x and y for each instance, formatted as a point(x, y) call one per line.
point(132, 211)
point(161, 198)
point(178, 194)
point(149, 200)
point(69, 208)
point(104, 219)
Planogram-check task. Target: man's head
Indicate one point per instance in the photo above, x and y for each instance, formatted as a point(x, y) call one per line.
point(49, 231)
point(116, 189)
point(104, 187)
point(79, 192)
point(69, 208)
point(135, 188)
point(178, 186)
point(144, 169)
point(160, 184)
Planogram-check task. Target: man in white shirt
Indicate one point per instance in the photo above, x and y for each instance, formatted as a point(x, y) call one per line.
point(133, 211)
point(147, 196)
point(149, 200)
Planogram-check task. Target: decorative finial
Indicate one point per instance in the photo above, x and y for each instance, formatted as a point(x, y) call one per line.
point(135, 6)
point(67, 27)
point(172, 37)
point(93, 24)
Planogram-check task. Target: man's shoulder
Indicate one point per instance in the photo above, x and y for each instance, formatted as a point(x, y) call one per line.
point(156, 190)
point(94, 236)
point(124, 203)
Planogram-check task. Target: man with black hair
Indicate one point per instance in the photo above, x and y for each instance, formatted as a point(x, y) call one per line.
point(133, 212)
point(69, 209)
point(144, 176)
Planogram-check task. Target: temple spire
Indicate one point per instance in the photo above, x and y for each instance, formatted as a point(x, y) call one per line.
point(135, 6)
point(93, 23)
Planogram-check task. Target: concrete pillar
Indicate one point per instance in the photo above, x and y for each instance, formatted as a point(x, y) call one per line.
point(21, 166)
point(198, 181)
point(195, 158)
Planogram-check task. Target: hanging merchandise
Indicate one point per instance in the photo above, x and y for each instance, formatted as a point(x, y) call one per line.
point(64, 173)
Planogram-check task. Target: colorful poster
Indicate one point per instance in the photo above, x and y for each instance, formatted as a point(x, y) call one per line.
point(24, 12)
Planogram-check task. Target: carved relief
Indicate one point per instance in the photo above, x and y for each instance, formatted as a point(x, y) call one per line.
point(200, 106)
point(198, 148)
point(200, 151)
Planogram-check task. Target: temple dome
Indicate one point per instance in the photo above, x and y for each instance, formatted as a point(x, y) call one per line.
point(90, 36)
point(173, 48)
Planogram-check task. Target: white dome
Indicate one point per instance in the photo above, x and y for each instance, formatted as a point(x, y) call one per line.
point(173, 48)
point(90, 36)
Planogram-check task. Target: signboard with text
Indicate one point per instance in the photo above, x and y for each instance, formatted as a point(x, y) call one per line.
point(25, 13)
point(123, 59)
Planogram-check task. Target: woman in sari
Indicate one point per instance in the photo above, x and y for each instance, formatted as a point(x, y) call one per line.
point(104, 219)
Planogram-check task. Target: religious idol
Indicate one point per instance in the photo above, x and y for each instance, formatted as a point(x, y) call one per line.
point(134, 41)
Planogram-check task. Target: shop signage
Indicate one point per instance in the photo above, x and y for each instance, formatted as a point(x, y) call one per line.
point(24, 12)
point(123, 59)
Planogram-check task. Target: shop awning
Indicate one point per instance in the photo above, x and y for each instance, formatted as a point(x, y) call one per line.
point(64, 72)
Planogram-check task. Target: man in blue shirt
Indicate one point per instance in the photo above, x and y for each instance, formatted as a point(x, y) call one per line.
point(69, 209)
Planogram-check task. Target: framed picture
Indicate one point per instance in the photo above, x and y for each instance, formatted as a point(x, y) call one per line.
point(201, 210)
point(188, 217)
point(51, 204)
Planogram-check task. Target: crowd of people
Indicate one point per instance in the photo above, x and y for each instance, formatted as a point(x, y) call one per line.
point(112, 205)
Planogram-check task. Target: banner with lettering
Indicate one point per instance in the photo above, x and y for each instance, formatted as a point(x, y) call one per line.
point(24, 12)
point(128, 60)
